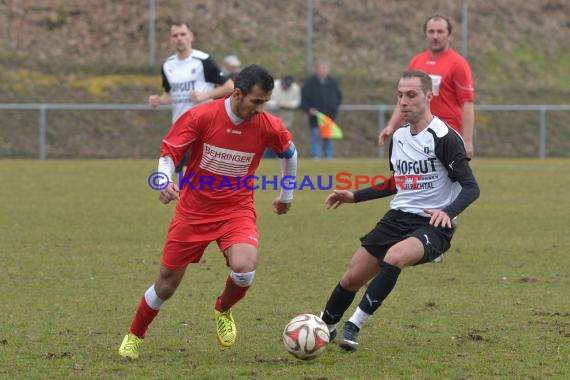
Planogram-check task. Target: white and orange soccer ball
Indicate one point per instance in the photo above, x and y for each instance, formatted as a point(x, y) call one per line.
point(306, 336)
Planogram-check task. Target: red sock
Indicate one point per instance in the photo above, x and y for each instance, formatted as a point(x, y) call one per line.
point(143, 317)
point(231, 295)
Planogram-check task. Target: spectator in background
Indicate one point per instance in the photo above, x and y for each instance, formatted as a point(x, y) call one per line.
point(453, 88)
point(286, 97)
point(322, 93)
point(189, 77)
point(232, 66)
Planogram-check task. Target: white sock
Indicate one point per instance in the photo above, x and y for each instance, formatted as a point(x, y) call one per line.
point(152, 299)
point(359, 317)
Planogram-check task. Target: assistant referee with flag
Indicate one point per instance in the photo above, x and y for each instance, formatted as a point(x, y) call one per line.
point(320, 93)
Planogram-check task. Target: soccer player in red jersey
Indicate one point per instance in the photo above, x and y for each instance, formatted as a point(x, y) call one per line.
point(227, 139)
point(453, 89)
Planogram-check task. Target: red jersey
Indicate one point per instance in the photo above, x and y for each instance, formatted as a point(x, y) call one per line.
point(222, 155)
point(452, 84)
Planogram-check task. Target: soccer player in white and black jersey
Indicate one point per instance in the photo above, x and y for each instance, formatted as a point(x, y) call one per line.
point(432, 183)
point(190, 76)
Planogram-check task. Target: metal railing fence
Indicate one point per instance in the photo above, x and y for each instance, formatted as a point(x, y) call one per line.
point(381, 109)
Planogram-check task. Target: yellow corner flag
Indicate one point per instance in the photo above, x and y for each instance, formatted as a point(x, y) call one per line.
point(329, 129)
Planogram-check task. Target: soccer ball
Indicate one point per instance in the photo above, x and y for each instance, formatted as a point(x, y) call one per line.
point(306, 336)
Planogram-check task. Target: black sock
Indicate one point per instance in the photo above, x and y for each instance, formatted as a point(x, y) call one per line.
point(337, 304)
point(379, 288)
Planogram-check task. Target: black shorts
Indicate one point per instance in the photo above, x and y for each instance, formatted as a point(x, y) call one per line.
point(397, 225)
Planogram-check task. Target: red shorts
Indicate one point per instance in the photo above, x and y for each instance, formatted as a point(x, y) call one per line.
point(186, 243)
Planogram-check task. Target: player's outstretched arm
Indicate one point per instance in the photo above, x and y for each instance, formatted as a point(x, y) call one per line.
point(338, 197)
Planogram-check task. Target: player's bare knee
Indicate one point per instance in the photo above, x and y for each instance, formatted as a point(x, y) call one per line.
point(166, 286)
point(349, 282)
point(242, 258)
point(396, 258)
point(165, 289)
point(243, 266)
point(167, 283)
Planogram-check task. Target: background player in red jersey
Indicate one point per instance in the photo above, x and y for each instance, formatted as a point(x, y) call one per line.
point(227, 139)
point(452, 83)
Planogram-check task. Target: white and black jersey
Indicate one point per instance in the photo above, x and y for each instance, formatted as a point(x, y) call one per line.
point(431, 171)
point(429, 155)
point(198, 72)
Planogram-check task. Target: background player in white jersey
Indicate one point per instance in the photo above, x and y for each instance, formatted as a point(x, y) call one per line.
point(189, 77)
point(418, 227)
point(227, 138)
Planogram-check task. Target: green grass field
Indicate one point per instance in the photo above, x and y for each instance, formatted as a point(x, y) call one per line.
point(81, 241)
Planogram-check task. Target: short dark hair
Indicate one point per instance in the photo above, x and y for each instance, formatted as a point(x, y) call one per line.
point(287, 80)
point(439, 17)
point(254, 75)
point(425, 79)
point(179, 23)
